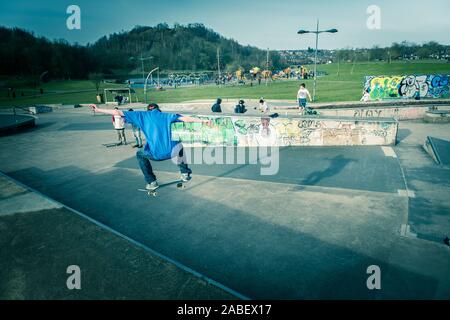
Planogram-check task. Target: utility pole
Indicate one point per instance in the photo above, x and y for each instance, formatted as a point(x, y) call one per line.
point(142, 58)
point(339, 64)
point(143, 72)
point(218, 63)
point(315, 62)
point(354, 61)
point(150, 75)
point(267, 66)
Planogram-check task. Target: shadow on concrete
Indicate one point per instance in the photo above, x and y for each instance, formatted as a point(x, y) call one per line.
point(337, 164)
point(90, 126)
point(258, 258)
point(402, 134)
point(365, 168)
point(41, 126)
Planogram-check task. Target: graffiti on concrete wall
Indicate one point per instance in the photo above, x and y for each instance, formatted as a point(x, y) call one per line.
point(399, 113)
point(409, 87)
point(252, 131)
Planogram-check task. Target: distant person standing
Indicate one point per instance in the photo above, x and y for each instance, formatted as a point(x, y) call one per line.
point(217, 106)
point(366, 96)
point(119, 126)
point(136, 134)
point(302, 94)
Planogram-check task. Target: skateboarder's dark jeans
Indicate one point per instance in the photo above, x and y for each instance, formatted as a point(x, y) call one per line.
point(147, 170)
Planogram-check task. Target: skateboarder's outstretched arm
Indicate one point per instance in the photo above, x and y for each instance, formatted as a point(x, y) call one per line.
point(106, 111)
point(116, 112)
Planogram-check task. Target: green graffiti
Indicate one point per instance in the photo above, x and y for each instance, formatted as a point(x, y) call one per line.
point(222, 132)
point(240, 124)
point(384, 87)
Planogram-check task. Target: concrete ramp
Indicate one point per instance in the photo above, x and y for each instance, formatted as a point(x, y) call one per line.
point(439, 150)
point(12, 123)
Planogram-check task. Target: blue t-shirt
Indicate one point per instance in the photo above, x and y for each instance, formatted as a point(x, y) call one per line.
point(156, 127)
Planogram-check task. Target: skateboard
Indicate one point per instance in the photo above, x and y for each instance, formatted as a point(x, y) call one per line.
point(115, 144)
point(309, 112)
point(181, 185)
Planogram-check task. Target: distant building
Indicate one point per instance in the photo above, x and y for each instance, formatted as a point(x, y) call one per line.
point(305, 57)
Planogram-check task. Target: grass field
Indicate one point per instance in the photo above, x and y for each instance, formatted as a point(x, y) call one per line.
point(345, 86)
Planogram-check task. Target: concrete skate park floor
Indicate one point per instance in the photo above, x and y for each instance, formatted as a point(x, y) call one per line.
point(309, 231)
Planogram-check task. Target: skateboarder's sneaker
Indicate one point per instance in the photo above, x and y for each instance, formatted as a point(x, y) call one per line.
point(185, 177)
point(135, 146)
point(152, 186)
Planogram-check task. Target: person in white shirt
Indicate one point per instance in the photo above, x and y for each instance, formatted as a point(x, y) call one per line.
point(366, 96)
point(263, 106)
point(119, 125)
point(302, 94)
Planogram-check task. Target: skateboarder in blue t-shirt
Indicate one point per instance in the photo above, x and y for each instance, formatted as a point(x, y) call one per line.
point(156, 126)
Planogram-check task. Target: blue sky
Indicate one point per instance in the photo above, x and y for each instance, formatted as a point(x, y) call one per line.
point(263, 23)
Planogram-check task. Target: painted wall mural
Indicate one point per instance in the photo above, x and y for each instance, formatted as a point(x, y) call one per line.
point(408, 87)
point(253, 131)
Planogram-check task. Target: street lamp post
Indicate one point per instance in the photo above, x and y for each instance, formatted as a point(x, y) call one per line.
point(142, 63)
point(146, 81)
point(316, 32)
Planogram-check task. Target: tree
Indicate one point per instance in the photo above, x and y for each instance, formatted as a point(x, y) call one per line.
point(424, 53)
point(97, 79)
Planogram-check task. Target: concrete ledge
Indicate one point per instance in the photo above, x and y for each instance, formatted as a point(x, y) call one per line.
point(437, 116)
point(250, 131)
point(396, 112)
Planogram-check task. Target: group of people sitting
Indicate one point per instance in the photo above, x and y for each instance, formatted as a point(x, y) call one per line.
point(121, 99)
point(302, 97)
point(240, 107)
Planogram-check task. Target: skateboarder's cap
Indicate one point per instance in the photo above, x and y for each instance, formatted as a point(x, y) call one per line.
point(152, 106)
